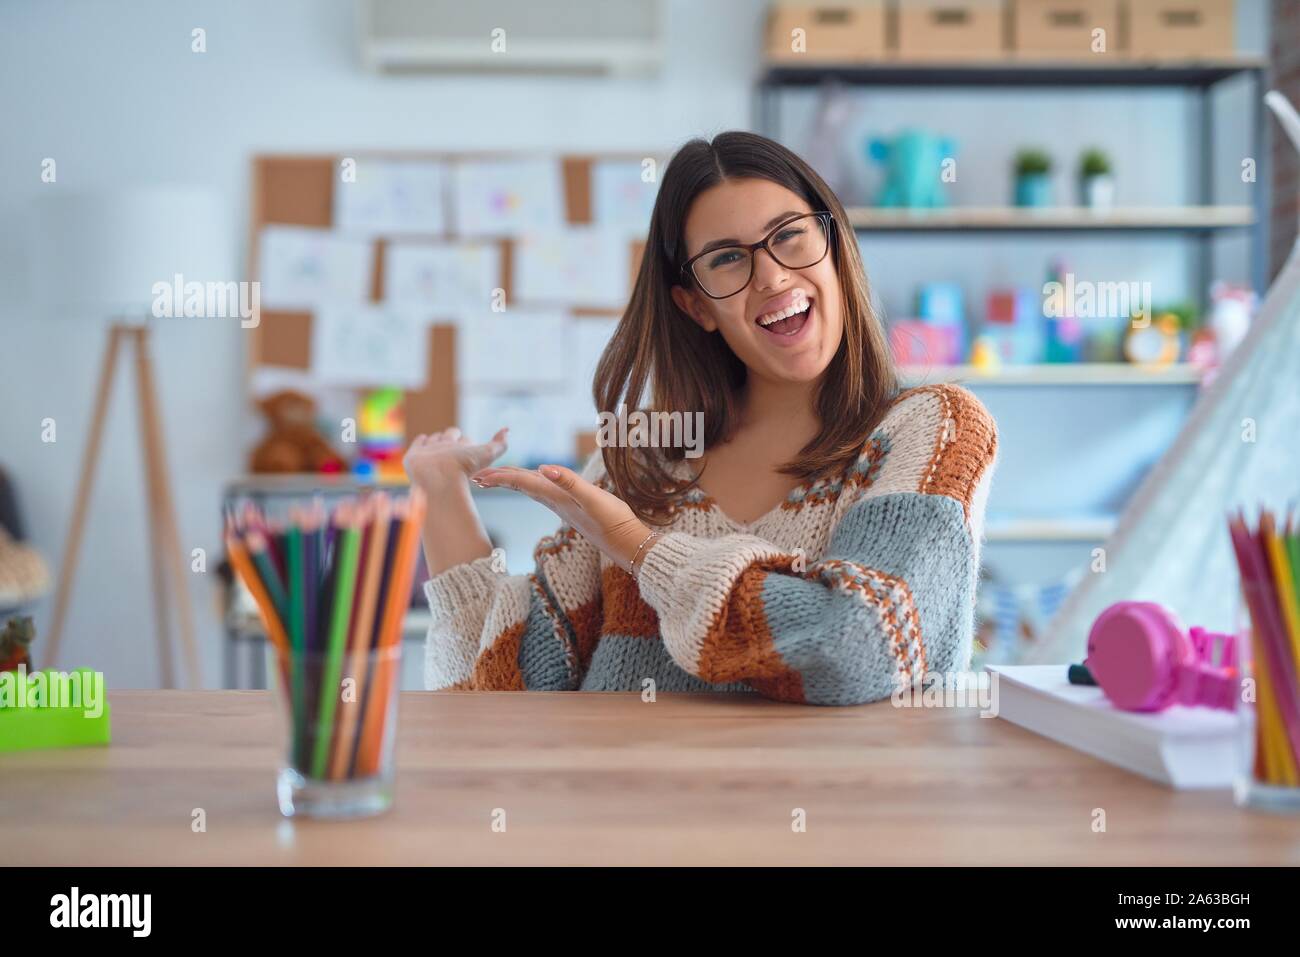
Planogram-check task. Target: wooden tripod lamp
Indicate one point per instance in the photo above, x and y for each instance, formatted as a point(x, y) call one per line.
point(99, 257)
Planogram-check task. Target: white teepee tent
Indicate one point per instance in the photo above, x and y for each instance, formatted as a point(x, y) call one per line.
point(1240, 447)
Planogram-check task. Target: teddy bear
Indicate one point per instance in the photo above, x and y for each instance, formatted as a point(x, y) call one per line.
point(292, 444)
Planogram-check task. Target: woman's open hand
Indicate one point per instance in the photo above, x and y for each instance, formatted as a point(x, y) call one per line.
point(603, 519)
point(435, 460)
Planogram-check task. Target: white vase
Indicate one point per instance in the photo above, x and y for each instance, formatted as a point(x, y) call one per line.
point(1099, 192)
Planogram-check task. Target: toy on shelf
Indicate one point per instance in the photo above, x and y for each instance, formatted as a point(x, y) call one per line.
point(1231, 309)
point(1155, 344)
point(984, 356)
point(915, 342)
point(1013, 326)
point(914, 165)
point(381, 434)
point(292, 444)
point(940, 305)
point(1062, 328)
point(1203, 354)
point(1103, 339)
point(1063, 339)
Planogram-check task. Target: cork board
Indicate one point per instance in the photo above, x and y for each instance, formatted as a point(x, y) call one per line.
point(298, 190)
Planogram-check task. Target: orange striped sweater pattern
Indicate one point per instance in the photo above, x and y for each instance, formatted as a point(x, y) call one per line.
point(850, 585)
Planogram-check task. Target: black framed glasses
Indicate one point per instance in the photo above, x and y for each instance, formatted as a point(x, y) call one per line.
point(797, 243)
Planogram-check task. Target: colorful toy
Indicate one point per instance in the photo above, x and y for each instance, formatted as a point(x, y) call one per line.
point(917, 343)
point(1203, 354)
point(1063, 340)
point(1104, 339)
point(1144, 661)
point(1231, 310)
point(984, 355)
point(381, 434)
point(914, 167)
point(1155, 344)
point(1013, 325)
point(940, 304)
point(1062, 329)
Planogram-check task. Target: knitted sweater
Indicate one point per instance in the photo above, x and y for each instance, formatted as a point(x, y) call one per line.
point(851, 584)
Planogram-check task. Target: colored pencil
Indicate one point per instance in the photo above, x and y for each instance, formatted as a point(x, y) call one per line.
point(1272, 717)
point(271, 615)
point(392, 538)
point(254, 520)
point(311, 584)
point(1271, 590)
point(270, 577)
point(397, 603)
point(362, 629)
point(344, 584)
point(279, 534)
point(297, 634)
point(1281, 567)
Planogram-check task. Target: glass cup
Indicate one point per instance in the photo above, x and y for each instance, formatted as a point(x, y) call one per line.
point(338, 716)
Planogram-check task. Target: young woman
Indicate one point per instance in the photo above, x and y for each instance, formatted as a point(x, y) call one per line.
point(824, 547)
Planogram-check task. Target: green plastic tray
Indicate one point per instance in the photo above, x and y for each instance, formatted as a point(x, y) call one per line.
point(30, 721)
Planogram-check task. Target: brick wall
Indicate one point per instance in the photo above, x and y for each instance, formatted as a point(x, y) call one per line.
point(1285, 33)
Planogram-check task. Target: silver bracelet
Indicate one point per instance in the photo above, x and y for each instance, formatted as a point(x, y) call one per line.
point(637, 554)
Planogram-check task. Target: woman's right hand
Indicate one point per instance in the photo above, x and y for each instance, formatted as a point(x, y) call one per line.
point(440, 466)
point(433, 462)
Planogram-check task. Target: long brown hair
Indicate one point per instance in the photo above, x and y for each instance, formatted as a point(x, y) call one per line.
point(692, 370)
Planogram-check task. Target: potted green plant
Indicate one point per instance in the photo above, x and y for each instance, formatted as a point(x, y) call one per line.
point(1096, 182)
point(1033, 178)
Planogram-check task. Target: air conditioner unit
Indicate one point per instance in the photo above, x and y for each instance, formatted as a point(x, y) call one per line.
point(512, 36)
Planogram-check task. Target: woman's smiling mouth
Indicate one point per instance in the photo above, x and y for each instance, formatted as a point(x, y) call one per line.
point(787, 316)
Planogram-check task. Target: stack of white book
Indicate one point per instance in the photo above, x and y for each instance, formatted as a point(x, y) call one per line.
point(1181, 747)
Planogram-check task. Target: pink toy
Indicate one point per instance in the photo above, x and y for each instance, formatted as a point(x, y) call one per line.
point(920, 343)
point(1143, 660)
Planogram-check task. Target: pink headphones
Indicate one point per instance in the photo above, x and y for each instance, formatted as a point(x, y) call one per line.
point(1143, 660)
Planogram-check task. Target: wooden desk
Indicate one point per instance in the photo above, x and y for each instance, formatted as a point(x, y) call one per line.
point(608, 779)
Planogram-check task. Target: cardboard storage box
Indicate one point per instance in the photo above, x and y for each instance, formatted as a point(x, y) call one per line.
point(1065, 29)
point(851, 31)
point(951, 30)
point(1181, 29)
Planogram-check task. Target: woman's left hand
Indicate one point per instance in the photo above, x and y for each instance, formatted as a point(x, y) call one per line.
point(603, 519)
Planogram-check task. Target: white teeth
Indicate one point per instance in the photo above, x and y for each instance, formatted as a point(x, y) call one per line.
point(793, 310)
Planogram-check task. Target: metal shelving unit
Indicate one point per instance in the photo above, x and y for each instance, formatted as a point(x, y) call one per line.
point(1199, 222)
point(1055, 374)
point(1011, 219)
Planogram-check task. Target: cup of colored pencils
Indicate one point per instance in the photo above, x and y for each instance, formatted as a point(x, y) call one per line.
point(333, 589)
point(1268, 557)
